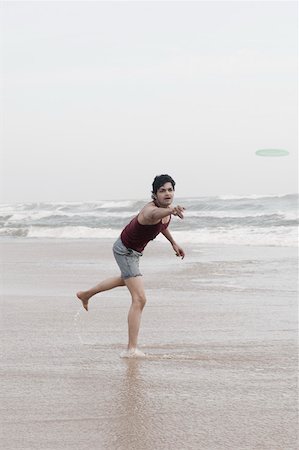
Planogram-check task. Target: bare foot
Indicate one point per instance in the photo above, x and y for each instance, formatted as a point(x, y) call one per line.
point(132, 353)
point(84, 299)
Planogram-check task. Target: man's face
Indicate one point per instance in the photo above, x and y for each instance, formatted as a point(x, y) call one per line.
point(165, 195)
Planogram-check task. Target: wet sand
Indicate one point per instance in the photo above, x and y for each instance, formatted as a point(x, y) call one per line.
point(219, 329)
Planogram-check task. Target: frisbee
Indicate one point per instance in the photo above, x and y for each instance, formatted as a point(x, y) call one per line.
point(271, 152)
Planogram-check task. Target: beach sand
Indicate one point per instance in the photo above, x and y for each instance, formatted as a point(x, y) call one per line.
point(219, 329)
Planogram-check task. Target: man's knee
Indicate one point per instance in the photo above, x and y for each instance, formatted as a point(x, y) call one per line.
point(139, 300)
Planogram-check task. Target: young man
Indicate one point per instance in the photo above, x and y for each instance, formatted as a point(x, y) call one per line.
point(153, 219)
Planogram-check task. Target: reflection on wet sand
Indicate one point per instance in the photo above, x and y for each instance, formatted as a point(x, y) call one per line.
point(133, 420)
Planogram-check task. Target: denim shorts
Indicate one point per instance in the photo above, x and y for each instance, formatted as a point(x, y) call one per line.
point(127, 260)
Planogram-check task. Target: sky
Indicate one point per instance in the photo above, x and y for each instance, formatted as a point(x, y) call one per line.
point(100, 97)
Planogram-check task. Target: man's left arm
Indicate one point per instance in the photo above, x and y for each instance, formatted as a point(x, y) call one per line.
point(178, 250)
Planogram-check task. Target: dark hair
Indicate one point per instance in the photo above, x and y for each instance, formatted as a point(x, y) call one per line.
point(160, 180)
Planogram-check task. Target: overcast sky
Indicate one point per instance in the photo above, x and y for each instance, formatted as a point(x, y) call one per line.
point(99, 97)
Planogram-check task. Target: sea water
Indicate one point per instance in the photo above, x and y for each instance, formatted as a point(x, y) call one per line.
point(245, 220)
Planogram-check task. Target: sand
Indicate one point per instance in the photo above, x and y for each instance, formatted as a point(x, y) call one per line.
point(219, 329)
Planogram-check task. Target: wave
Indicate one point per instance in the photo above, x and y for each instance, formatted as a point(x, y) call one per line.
point(239, 214)
point(256, 196)
point(72, 232)
point(274, 236)
point(66, 232)
point(254, 218)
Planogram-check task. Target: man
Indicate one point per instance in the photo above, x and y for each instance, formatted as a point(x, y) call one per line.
point(153, 219)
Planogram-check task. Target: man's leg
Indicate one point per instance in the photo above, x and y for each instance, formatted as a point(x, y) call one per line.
point(106, 285)
point(136, 288)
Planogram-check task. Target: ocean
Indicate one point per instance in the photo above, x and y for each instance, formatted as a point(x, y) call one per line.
point(241, 220)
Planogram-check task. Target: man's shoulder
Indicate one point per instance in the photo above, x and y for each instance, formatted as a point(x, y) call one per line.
point(145, 214)
point(149, 207)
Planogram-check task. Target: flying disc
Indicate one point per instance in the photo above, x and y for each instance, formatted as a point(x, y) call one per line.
point(271, 152)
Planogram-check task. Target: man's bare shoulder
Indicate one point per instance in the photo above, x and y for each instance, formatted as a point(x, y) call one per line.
point(145, 217)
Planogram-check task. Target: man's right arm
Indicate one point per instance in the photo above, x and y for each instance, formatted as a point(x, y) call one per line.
point(153, 214)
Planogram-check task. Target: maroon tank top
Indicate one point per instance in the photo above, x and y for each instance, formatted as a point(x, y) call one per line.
point(137, 236)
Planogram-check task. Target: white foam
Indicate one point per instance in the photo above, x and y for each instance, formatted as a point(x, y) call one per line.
point(223, 214)
point(239, 236)
point(72, 232)
point(249, 196)
point(116, 204)
point(274, 236)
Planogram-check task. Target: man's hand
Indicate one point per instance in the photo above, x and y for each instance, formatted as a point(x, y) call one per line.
point(178, 251)
point(178, 211)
